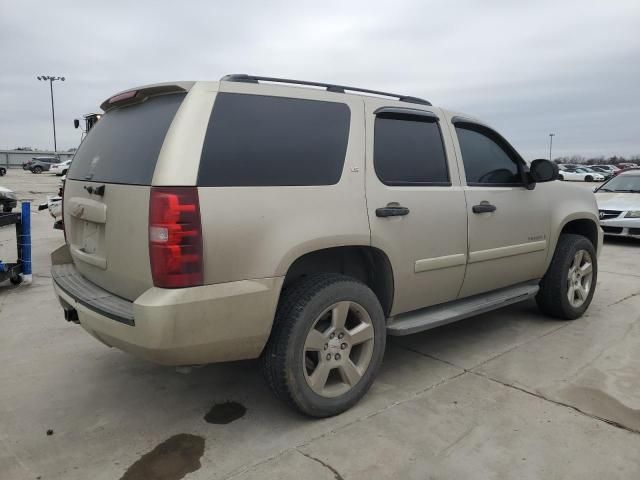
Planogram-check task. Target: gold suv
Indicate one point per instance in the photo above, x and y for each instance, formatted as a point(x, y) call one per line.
point(302, 223)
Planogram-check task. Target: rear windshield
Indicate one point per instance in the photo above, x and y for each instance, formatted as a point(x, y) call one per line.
point(255, 140)
point(124, 145)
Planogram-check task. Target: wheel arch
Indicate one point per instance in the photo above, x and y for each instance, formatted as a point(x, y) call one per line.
point(368, 264)
point(579, 223)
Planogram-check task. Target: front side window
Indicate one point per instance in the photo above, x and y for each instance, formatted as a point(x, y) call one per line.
point(488, 160)
point(257, 140)
point(408, 150)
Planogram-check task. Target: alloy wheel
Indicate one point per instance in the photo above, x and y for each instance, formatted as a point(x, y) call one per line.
point(579, 278)
point(338, 349)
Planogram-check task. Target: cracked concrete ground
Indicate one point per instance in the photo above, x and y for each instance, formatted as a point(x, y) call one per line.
point(508, 394)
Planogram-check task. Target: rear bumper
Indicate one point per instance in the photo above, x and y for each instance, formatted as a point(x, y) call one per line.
point(187, 326)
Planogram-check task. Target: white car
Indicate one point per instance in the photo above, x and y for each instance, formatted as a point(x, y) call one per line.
point(60, 168)
point(619, 205)
point(610, 168)
point(581, 175)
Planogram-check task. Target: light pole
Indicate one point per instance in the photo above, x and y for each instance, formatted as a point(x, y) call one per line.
point(551, 135)
point(52, 79)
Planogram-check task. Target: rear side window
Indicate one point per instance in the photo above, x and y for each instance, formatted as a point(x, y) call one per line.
point(488, 160)
point(408, 150)
point(123, 147)
point(255, 140)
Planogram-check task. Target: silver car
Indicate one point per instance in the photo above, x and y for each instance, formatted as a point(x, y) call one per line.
point(619, 205)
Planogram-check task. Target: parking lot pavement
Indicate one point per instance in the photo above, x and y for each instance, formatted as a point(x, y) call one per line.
point(508, 394)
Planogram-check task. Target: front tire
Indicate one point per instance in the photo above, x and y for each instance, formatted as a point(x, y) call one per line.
point(326, 346)
point(588, 178)
point(568, 286)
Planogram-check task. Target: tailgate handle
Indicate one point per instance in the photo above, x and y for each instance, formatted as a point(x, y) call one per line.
point(97, 190)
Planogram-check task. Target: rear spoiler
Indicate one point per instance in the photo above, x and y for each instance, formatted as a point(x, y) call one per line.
point(140, 94)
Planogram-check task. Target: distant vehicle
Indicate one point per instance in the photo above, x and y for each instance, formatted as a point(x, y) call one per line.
point(54, 205)
point(40, 164)
point(606, 173)
point(8, 200)
point(610, 168)
point(628, 165)
point(3, 171)
point(27, 165)
point(60, 168)
point(619, 204)
point(580, 175)
point(90, 120)
point(626, 169)
point(568, 167)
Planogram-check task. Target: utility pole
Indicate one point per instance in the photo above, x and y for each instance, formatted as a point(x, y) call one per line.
point(51, 79)
point(551, 135)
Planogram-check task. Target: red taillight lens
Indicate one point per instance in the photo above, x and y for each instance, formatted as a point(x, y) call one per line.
point(175, 237)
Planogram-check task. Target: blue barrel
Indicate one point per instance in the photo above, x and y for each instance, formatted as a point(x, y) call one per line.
point(24, 240)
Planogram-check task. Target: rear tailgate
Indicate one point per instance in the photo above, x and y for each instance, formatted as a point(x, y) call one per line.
point(106, 198)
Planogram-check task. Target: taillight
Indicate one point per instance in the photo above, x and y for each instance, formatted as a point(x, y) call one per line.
point(175, 237)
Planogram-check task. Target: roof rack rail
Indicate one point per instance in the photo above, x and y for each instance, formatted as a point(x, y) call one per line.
point(243, 77)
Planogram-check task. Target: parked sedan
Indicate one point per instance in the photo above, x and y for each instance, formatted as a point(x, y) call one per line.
point(611, 168)
point(60, 168)
point(581, 175)
point(601, 170)
point(619, 205)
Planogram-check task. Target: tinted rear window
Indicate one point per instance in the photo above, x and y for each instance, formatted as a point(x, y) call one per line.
point(123, 146)
point(408, 150)
point(255, 140)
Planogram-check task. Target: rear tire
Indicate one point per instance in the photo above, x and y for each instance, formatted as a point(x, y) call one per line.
point(3, 171)
point(36, 170)
point(326, 345)
point(560, 177)
point(568, 286)
point(588, 178)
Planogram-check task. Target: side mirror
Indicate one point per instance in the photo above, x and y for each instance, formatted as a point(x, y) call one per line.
point(543, 170)
point(76, 123)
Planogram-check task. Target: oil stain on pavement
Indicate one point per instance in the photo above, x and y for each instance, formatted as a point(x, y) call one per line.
point(171, 460)
point(223, 413)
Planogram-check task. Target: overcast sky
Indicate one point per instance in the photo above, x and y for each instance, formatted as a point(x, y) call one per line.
point(527, 68)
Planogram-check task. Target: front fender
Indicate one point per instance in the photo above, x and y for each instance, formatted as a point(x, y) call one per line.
point(566, 214)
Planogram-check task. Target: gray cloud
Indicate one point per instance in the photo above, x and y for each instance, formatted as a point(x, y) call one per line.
point(527, 68)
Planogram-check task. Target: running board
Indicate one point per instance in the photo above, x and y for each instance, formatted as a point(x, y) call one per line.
point(431, 317)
